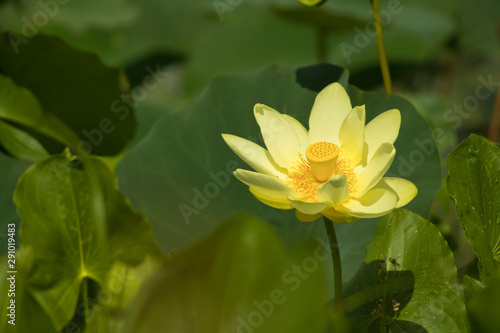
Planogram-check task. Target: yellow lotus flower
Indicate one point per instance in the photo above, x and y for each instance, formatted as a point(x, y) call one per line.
point(336, 169)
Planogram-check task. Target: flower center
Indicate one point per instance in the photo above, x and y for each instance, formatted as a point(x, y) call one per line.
point(323, 160)
point(322, 157)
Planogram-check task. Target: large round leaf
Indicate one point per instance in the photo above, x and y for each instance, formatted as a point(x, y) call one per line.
point(180, 175)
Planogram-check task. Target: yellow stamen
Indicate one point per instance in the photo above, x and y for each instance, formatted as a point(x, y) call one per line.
point(304, 182)
point(301, 179)
point(322, 157)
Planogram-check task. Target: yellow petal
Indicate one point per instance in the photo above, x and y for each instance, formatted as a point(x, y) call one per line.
point(282, 198)
point(300, 131)
point(306, 217)
point(254, 155)
point(383, 128)
point(264, 183)
point(335, 190)
point(374, 203)
point(310, 208)
point(352, 134)
point(368, 177)
point(404, 189)
point(328, 113)
point(270, 200)
point(279, 135)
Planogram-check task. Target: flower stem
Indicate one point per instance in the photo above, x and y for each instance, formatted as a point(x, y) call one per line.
point(337, 267)
point(384, 67)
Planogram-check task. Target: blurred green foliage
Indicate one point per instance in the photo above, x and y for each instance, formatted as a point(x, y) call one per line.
point(207, 288)
point(61, 76)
